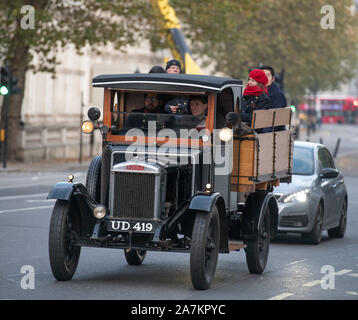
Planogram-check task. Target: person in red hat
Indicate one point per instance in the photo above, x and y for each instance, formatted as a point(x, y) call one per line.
point(255, 95)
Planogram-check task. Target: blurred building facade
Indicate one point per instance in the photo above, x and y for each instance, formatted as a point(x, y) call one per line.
point(53, 107)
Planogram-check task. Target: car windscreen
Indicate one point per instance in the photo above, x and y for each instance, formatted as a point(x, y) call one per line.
point(150, 123)
point(303, 163)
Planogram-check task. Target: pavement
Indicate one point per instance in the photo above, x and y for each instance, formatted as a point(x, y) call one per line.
point(46, 166)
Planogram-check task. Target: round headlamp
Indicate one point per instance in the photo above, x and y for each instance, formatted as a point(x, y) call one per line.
point(87, 126)
point(99, 212)
point(225, 134)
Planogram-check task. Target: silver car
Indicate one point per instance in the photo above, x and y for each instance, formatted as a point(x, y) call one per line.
point(316, 200)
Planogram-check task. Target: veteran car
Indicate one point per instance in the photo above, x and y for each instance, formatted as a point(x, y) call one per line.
point(174, 182)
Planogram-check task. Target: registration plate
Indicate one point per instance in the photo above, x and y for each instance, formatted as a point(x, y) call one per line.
point(127, 225)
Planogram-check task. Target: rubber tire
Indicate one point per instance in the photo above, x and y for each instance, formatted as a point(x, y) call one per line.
point(93, 179)
point(315, 236)
point(257, 250)
point(339, 231)
point(204, 249)
point(135, 257)
point(63, 256)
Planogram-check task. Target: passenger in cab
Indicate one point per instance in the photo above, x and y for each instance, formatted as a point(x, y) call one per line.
point(198, 107)
point(152, 105)
point(255, 95)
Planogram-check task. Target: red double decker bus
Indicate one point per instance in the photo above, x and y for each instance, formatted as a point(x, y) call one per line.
point(332, 109)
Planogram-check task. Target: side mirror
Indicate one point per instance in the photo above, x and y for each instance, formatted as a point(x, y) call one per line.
point(93, 113)
point(329, 173)
point(232, 118)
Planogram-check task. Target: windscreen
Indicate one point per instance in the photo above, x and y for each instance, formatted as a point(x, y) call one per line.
point(152, 112)
point(303, 163)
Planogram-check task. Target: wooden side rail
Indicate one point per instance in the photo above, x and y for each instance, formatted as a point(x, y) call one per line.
point(271, 118)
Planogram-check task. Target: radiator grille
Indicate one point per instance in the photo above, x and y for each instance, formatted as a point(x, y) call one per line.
point(134, 195)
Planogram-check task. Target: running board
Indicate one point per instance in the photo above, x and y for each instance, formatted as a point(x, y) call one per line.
point(236, 246)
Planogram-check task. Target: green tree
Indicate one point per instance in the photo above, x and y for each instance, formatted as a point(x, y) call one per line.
point(58, 23)
point(286, 34)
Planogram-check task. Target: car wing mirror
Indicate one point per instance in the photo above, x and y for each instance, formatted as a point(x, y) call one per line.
point(329, 173)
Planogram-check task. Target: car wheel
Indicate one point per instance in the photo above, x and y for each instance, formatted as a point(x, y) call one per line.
point(204, 249)
point(64, 255)
point(135, 257)
point(315, 236)
point(339, 231)
point(93, 179)
point(257, 250)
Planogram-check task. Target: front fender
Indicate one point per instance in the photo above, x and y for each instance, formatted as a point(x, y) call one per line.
point(61, 191)
point(81, 203)
point(205, 202)
point(255, 208)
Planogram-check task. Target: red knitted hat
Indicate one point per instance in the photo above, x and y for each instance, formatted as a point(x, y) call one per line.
point(259, 76)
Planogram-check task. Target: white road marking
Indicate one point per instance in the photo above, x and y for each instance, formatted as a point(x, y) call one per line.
point(41, 200)
point(281, 296)
point(342, 272)
point(25, 209)
point(352, 293)
point(295, 262)
point(312, 283)
point(34, 195)
point(353, 274)
point(17, 186)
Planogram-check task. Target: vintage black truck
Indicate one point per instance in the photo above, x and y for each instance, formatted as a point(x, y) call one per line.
point(162, 183)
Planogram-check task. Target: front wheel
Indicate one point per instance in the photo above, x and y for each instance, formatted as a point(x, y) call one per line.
point(315, 236)
point(64, 255)
point(204, 249)
point(257, 249)
point(135, 257)
point(339, 231)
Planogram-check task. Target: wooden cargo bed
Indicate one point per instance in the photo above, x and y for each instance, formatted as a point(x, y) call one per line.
point(263, 158)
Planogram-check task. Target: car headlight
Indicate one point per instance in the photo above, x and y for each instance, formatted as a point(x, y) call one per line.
point(87, 126)
point(99, 211)
point(300, 196)
point(225, 134)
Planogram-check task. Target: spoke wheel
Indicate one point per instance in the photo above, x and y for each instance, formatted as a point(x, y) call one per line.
point(204, 249)
point(257, 250)
point(339, 231)
point(135, 257)
point(64, 255)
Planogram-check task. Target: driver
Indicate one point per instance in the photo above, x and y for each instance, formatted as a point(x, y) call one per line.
point(152, 104)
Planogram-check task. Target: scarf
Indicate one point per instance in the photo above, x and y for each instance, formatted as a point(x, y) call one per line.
point(254, 91)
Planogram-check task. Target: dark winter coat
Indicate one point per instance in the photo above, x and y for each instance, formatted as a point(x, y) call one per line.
point(251, 103)
point(139, 119)
point(277, 97)
point(278, 100)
